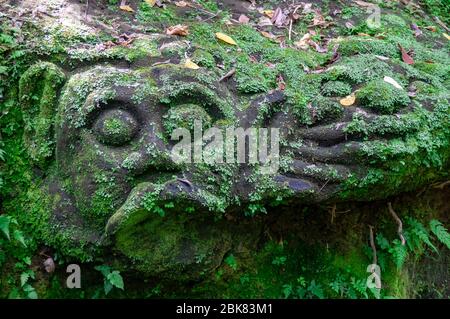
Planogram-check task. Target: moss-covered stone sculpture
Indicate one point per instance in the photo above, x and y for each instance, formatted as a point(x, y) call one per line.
point(101, 91)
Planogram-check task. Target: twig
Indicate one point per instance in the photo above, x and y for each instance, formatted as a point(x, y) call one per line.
point(212, 17)
point(87, 9)
point(290, 29)
point(442, 24)
point(13, 18)
point(323, 186)
point(202, 10)
point(228, 75)
point(399, 222)
point(186, 182)
point(333, 213)
point(372, 244)
point(162, 62)
point(291, 22)
point(441, 185)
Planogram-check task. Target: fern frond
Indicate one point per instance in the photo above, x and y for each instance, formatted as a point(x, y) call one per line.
point(418, 230)
point(399, 253)
point(440, 232)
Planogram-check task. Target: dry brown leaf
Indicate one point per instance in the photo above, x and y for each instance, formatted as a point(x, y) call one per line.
point(391, 81)
point(348, 100)
point(303, 43)
point(268, 35)
point(244, 19)
point(264, 22)
point(363, 3)
point(151, 3)
point(178, 29)
point(126, 8)
point(307, 8)
point(191, 65)
point(382, 58)
point(181, 4)
point(405, 56)
point(279, 18)
point(268, 13)
point(318, 19)
point(415, 28)
point(225, 38)
point(431, 28)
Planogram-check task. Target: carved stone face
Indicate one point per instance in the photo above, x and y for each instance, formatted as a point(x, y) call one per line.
point(102, 135)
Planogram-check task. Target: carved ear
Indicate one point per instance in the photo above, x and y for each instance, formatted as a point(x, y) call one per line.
point(39, 87)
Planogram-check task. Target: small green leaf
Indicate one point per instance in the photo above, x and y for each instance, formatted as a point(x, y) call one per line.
point(24, 278)
point(116, 279)
point(4, 225)
point(27, 260)
point(107, 286)
point(104, 269)
point(441, 232)
point(18, 235)
point(399, 253)
point(32, 295)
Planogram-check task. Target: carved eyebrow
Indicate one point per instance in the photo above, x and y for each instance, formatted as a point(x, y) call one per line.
point(192, 91)
point(197, 93)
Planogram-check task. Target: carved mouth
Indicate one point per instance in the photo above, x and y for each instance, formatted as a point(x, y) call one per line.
point(147, 200)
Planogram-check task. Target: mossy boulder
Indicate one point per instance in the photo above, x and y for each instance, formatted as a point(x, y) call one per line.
point(383, 97)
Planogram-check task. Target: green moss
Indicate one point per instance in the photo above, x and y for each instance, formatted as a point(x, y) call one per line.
point(383, 97)
point(38, 93)
point(204, 58)
point(184, 116)
point(360, 69)
point(336, 88)
point(155, 15)
point(366, 45)
point(252, 77)
point(327, 109)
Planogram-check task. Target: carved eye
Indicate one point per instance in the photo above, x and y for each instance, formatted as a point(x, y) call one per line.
point(115, 127)
point(185, 116)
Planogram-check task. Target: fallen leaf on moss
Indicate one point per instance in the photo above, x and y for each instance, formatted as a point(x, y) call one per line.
point(267, 35)
point(405, 56)
point(280, 82)
point(268, 13)
point(126, 8)
point(391, 81)
point(244, 19)
point(446, 36)
point(264, 22)
point(415, 28)
point(348, 100)
point(181, 4)
point(191, 65)
point(363, 3)
point(279, 18)
point(225, 38)
point(382, 58)
point(151, 3)
point(178, 29)
point(431, 28)
point(303, 43)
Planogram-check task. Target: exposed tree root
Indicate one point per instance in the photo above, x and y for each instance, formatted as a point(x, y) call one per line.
point(399, 222)
point(441, 185)
point(372, 244)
